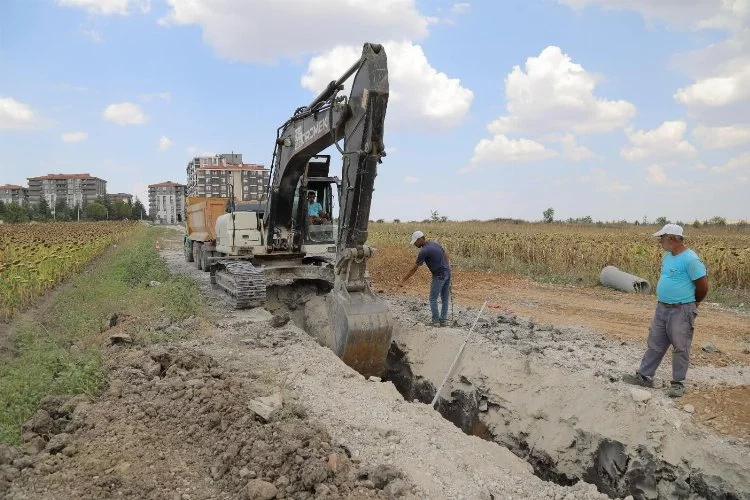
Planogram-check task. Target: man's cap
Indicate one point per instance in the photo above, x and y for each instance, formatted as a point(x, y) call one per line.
point(415, 236)
point(672, 229)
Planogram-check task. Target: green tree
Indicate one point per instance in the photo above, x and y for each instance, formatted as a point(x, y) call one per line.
point(2, 210)
point(549, 215)
point(120, 210)
point(660, 221)
point(62, 212)
point(96, 211)
point(696, 223)
point(436, 217)
point(42, 211)
point(138, 211)
point(16, 213)
point(717, 221)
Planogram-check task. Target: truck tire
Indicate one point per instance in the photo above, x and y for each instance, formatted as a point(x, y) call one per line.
point(197, 253)
point(188, 250)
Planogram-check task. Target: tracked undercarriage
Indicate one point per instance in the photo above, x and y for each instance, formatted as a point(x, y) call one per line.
point(243, 283)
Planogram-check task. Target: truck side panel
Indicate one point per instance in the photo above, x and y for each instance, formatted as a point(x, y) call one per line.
point(201, 217)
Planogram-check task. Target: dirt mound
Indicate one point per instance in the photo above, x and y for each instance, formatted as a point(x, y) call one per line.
point(173, 424)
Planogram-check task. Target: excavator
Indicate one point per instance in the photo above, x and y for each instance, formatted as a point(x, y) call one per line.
point(279, 244)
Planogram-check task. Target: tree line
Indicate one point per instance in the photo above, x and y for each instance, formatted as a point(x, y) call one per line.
point(101, 209)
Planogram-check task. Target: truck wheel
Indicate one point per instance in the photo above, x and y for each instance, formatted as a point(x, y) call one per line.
point(188, 251)
point(204, 260)
point(197, 253)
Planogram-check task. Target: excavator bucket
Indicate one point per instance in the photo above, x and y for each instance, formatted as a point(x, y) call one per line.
point(362, 329)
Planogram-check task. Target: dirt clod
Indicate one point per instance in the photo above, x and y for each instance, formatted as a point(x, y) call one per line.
point(279, 320)
point(261, 490)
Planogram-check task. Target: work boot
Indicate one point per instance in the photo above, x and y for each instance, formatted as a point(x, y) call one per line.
point(638, 379)
point(676, 390)
point(443, 322)
point(435, 324)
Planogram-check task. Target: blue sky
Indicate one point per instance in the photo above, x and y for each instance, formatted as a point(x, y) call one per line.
point(610, 108)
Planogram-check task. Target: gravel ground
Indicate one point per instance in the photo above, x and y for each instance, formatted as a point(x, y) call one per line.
point(371, 419)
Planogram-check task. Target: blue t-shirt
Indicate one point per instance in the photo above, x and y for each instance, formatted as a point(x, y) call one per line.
point(677, 275)
point(433, 255)
point(314, 208)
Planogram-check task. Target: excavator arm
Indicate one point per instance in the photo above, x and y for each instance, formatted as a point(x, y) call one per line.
point(362, 326)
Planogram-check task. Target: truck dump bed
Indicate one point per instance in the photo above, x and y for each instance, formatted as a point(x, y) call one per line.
point(201, 217)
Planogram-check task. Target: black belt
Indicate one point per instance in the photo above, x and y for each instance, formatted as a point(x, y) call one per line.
point(674, 305)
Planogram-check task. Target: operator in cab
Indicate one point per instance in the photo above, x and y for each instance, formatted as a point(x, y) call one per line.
point(315, 210)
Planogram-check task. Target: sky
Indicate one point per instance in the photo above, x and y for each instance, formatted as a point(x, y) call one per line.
point(614, 109)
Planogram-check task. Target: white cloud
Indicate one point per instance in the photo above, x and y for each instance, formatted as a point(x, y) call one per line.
point(420, 96)
point(687, 14)
point(266, 31)
point(722, 137)
point(728, 88)
point(165, 143)
point(741, 162)
point(603, 183)
point(461, 7)
point(93, 35)
point(74, 136)
point(108, 7)
point(164, 96)
point(555, 94)
point(666, 141)
point(721, 70)
point(575, 151)
point(411, 179)
point(16, 115)
point(125, 113)
point(500, 149)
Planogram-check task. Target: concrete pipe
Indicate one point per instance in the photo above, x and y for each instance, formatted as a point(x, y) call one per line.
point(614, 278)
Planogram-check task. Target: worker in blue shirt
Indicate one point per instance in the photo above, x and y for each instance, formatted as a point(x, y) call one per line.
point(432, 254)
point(315, 210)
point(682, 287)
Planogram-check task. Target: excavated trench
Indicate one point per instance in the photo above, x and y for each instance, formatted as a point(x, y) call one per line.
point(615, 468)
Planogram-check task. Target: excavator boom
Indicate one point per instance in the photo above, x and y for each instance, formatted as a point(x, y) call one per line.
point(362, 325)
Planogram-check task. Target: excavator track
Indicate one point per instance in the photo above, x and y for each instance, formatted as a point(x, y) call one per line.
point(243, 283)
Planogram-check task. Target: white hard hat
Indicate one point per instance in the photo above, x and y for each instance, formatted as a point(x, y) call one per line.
point(672, 229)
point(415, 236)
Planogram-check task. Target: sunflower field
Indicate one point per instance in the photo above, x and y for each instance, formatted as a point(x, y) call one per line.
point(575, 251)
point(36, 257)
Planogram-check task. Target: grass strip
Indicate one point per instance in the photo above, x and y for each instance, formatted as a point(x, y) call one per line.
point(59, 344)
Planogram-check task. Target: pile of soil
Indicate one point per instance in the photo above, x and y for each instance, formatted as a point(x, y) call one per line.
point(173, 424)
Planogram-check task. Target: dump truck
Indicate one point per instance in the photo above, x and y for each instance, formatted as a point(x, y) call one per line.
point(216, 228)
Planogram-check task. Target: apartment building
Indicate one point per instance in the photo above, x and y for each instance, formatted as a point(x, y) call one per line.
point(166, 202)
point(11, 193)
point(225, 175)
point(73, 188)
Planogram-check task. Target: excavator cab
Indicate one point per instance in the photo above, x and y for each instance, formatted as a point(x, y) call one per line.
point(316, 190)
